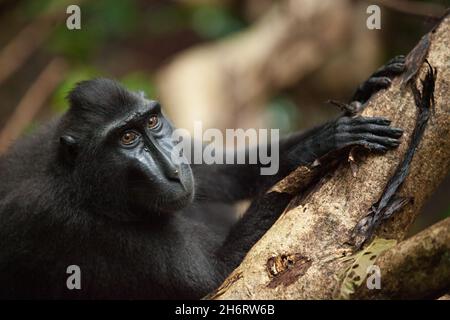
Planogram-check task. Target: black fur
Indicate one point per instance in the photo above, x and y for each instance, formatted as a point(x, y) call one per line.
point(59, 200)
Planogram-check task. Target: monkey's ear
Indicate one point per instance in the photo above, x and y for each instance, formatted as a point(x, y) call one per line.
point(69, 147)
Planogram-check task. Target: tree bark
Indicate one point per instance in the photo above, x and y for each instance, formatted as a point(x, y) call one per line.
point(308, 252)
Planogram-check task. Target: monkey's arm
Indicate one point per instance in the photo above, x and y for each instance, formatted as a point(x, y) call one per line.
point(237, 181)
point(259, 217)
point(242, 181)
point(232, 182)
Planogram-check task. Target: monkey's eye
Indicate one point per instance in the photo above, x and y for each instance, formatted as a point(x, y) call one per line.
point(153, 122)
point(128, 138)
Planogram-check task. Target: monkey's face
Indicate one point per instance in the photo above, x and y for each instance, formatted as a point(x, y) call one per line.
point(126, 161)
point(144, 145)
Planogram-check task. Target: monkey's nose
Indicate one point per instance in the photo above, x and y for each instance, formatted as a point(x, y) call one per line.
point(173, 174)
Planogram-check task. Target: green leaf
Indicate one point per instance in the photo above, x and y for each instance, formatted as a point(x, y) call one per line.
point(354, 275)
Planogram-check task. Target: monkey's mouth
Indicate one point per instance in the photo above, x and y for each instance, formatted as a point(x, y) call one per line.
point(171, 205)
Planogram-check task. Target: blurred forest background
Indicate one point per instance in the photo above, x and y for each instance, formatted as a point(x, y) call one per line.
point(228, 63)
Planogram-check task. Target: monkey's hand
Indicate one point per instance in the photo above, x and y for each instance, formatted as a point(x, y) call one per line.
point(372, 133)
point(380, 79)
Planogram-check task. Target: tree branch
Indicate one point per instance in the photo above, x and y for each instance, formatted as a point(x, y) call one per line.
point(307, 249)
point(418, 267)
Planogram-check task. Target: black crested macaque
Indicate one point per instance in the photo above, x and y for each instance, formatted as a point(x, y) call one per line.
point(97, 188)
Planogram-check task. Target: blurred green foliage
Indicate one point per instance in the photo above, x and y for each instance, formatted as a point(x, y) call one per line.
point(105, 21)
point(214, 21)
point(31, 9)
point(139, 81)
point(167, 19)
point(102, 21)
point(283, 113)
point(208, 21)
point(115, 24)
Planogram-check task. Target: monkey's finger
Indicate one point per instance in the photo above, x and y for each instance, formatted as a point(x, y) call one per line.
point(373, 138)
point(377, 83)
point(375, 147)
point(394, 67)
point(397, 59)
point(390, 70)
point(380, 130)
point(368, 120)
